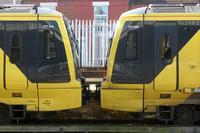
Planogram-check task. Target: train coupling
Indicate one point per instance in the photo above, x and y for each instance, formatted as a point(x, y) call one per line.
point(90, 91)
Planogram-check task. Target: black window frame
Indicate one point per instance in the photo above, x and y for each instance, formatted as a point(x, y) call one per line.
point(137, 47)
point(15, 47)
point(45, 46)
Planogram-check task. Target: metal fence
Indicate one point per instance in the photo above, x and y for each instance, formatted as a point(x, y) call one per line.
point(93, 38)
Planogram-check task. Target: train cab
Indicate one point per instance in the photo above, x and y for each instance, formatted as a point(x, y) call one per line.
point(153, 64)
point(39, 62)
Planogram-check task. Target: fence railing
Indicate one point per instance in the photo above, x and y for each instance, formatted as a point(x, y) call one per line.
point(93, 38)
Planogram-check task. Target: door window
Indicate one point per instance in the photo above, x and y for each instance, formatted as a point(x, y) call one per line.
point(15, 47)
point(166, 56)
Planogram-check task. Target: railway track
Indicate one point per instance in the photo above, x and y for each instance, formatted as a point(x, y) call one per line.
point(87, 121)
point(99, 128)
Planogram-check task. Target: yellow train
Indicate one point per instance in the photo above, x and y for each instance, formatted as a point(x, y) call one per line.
point(39, 62)
point(154, 64)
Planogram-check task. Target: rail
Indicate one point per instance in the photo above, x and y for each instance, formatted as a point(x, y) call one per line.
point(101, 128)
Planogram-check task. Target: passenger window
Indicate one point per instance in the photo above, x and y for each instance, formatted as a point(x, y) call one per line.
point(15, 47)
point(49, 45)
point(131, 52)
point(166, 56)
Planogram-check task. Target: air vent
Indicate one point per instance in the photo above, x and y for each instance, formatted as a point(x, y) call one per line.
point(167, 8)
point(18, 8)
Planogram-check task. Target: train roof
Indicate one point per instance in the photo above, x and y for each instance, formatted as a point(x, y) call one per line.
point(33, 9)
point(164, 8)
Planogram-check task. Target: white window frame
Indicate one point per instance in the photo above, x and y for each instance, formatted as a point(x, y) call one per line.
point(50, 5)
point(102, 4)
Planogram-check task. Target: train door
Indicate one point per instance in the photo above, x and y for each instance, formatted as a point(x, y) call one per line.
point(16, 46)
point(165, 60)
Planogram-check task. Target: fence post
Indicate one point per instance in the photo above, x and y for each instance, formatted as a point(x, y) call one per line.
point(93, 43)
point(110, 34)
point(90, 41)
point(114, 24)
point(76, 28)
point(86, 43)
point(79, 41)
point(73, 25)
point(83, 43)
point(107, 40)
point(103, 44)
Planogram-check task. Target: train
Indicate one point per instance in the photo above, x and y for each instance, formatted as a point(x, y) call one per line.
point(153, 64)
point(39, 62)
point(152, 67)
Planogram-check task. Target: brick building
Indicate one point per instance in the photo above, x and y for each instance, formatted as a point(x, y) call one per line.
point(85, 9)
point(95, 9)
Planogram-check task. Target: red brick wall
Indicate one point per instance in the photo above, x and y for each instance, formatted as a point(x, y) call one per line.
point(67, 8)
point(136, 6)
point(116, 8)
point(83, 9)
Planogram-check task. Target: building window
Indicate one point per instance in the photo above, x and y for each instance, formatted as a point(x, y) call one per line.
point(101, 11)
point(166, 54)
point(49, 45)
point(131, 52)
point(50, 5)
point(15, 47)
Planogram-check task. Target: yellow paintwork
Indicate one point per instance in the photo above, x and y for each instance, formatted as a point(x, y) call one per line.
point(127, 100)
point(59, 99)
point(189, 64)
point(171, 16)
point(123, 97)
point(18, 17)
point(50, 96)
point(166, 78)
point(14, 79)
point(129, 97)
